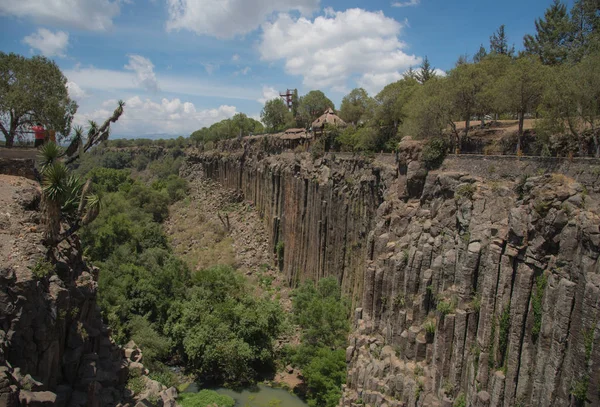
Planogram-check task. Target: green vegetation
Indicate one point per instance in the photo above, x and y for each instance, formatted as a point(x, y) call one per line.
point(25, 84)
point(323, 314)
point(238, 125)
point(446, 307)
point(434, 152)
point(205, 398)
point(210, 319)
point(460, 401)
point(42, 268)
point(504, 331)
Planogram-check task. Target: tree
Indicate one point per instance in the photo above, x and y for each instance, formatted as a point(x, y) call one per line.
point(482, 53)
point(425, 72)
point(275, 115)
point(311, 106)
point(355, 105)
point(553, 36)
point(521, 88)
point(391, 110)
point(33, 90)
point(465, 84)
point(571, 102)
point(499, 43)
point(585, 19)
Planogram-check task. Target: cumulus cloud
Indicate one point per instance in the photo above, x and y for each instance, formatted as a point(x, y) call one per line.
point(407, 3)
point(166, 118)
point(268, 93)
point(235, 57)
point(227, 18)
point(75, 91)
point(48, 43)
point(331, 49)
point(144, 72)
point(94, 15)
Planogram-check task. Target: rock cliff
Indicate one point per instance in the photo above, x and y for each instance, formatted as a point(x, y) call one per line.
point(475, 286)
point(54, 347)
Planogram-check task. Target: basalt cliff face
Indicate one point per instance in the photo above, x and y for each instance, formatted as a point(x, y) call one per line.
point(470, 283)
point(54, 347)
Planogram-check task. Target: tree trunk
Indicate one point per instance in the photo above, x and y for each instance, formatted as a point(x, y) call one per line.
point(520, 133)
point(51, 219)
point(10, 140)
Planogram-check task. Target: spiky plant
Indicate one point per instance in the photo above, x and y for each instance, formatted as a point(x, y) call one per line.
point(54, 180)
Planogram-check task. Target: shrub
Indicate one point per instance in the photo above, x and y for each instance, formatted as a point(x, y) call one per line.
point(466, 191)
point(460, 401)
point(445, 307)
point(205, 398)
point(434, 152)
point(504, 331)
point(42, 268)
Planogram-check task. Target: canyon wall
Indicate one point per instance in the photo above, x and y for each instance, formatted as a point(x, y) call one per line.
point(470, 285)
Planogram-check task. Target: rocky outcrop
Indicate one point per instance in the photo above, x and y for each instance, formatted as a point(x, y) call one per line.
point(54, 348)
point(466, 288)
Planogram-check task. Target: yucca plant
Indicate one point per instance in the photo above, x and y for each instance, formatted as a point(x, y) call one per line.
point(64, 198)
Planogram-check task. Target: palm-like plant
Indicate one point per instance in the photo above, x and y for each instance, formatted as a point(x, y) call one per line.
point(64, 198)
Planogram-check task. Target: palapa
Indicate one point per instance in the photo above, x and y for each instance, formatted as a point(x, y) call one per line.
point(330, 118)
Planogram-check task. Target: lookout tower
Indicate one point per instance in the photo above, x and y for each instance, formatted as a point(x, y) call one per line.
point(288, 98)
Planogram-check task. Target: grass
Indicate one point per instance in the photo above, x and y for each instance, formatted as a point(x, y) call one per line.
point(465, 191)
point(504, 331)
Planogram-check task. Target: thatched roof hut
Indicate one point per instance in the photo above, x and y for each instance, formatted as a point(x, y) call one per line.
point(295, 134)
point(329, 118)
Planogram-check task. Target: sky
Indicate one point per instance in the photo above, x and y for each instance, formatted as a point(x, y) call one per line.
point(181, 65)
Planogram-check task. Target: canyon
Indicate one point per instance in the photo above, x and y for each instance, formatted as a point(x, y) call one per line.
point(473, 284)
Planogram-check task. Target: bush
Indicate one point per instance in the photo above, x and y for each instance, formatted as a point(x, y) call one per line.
point(205, 398)
point(42, 268)
point(434, 152)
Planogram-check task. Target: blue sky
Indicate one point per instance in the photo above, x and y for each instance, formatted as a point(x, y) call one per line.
point(184, 64)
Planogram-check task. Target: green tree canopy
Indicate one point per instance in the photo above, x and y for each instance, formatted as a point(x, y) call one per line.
point(33, 90)
point(425, 72)
point(553, 35)
point(499, 43)
point(276, 115)
point(520, 90)
point(355, 105)
point(240, 124)
point(311, 106)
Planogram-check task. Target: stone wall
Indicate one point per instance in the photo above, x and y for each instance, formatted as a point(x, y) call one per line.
point(468, 283)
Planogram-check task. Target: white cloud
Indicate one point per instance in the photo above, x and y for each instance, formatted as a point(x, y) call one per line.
point(439, 72)
point(75, 91)
point(167, 117)
point(144, 72)
point(373, 83)
point(243, 71)
point(336, 47)
point(210, 68)
point(227, 18)
point(48, 43)
point(269, 93)
point(407, 3)
point(105, 80)
point(235, 58)
point(83, 14)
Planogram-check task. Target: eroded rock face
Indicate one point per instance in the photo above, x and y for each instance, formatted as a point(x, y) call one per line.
point(54, 348)
point(467, 287)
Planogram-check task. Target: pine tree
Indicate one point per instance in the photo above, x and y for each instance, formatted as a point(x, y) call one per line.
point(554, 35)
point(499, 43)
point(585, 20)
point(426, 71)
point(482, 53)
